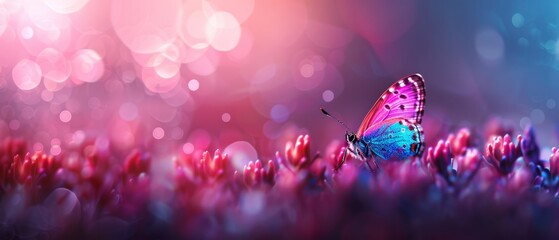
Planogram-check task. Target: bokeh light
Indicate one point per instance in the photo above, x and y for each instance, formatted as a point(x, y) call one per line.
point(158, 133)
point(223, 31)
point(27, 74)
point(226, 117)
point(240, 152)
point(54, 65)
point(87, 66)
point(66, 6)
point(65, 116)
point(489, 45)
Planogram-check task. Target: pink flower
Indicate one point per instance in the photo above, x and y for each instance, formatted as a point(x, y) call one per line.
point(336, 158)
point(12, 147)
point(8, 150)
point(298, 169)
point(255, 175)
point(137, 163)
point(27, 170)
point(439, 159)
point(554, 162)
point(344, 173)
point(298, 155)
point(530, 147)
point(520, 179)
point(459, 142)
point(502, 154)
point(216, 167)
point(208, 169)
point(469, 162)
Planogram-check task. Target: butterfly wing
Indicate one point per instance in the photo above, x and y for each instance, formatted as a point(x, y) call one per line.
point(405, 99)
point(394, 139)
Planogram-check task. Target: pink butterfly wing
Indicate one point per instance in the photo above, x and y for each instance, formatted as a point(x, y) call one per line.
point(405, 99)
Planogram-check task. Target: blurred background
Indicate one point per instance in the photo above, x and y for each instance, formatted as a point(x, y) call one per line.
point(246, 76)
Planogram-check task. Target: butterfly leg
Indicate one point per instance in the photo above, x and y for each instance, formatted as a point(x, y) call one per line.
point(376, 167)
point(369, 166)
point(348, 148)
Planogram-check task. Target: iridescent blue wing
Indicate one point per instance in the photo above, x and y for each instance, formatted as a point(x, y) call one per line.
point(405, 99)
point(395, 139)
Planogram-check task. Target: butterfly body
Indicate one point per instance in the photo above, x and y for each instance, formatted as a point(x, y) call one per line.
point(391, 130)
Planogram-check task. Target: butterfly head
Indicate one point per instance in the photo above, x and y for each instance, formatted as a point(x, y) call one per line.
point(350, 137)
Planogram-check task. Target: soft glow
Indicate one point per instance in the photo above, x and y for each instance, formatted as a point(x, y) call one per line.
point(87, 66)
point(27, 33)
point(240, 152)
point(241, 9)
point(157, 84)
point(3, 20)
point(279, 113)
point(54, 65)
point(65, 116)
point(158, 133)
point(188, 148)
point(226, 117)
point(327, 96)
point(55, 150)
point(205, 65)
point(148, 26)
point(194, 16)
point(489, 45)
point(26, 74)
point(537, 116)
point(517, 20)
point(193, 85)
point(167, 68)
point(524, 122)
point(307, 70)
point(65, 6)
point(223, 31)
point(128, 111)
point(550, 103)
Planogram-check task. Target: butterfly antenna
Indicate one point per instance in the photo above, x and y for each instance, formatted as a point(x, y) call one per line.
point(328, 114)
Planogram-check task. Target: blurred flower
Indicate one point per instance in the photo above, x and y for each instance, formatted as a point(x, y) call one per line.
point(216, 167)
point(530, 148)
point(554, 162)
point(298, 155)
point(439, 160)
point(454, 160)
point(137, 163)
point(208, 169)
point(255, 175)
point(343, 172)
point(298, 170)
point(295, 189)
point(28, 170)
point(468, 162)
point(8, 150)
point(12, 147)
point(460, 142)
point(502, 153)
point(520, 179)
point(549, 178)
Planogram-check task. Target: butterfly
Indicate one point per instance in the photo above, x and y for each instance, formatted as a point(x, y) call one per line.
point(391, 130)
